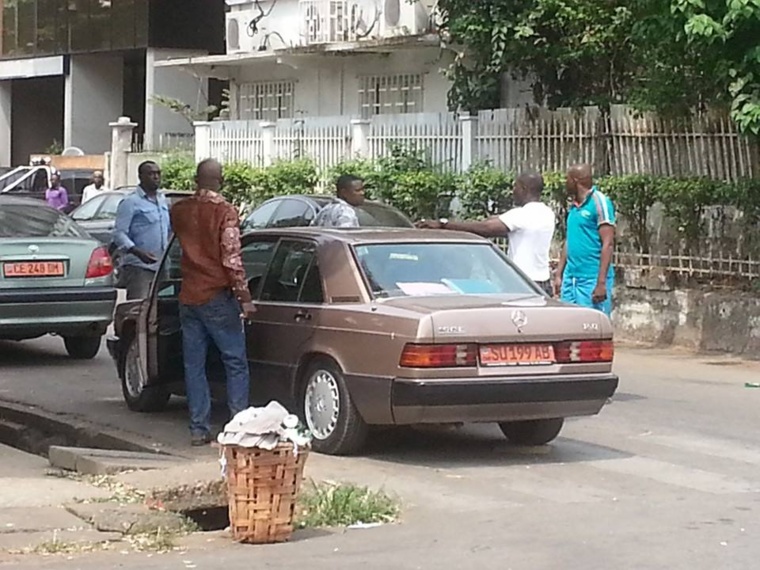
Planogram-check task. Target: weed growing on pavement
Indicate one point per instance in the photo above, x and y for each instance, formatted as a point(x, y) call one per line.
point(336, 504)
point(159, 541)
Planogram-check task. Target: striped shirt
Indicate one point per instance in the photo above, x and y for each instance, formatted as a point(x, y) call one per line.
point(584, 245)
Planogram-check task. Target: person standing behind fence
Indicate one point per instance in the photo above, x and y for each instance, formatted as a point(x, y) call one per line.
point(585, 275)
point(529, 225)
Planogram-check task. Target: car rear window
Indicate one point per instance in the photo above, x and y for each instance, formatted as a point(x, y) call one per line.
point(32, 221)
point(377, 215)
point(424, 269)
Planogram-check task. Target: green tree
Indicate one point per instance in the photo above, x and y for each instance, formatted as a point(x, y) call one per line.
point(729, 30)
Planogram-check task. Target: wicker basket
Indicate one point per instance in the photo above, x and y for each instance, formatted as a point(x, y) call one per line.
point(262, 487)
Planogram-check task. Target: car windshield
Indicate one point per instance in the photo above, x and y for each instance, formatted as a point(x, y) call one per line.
point(377, 215)
point(424, 269)
point(32, 221)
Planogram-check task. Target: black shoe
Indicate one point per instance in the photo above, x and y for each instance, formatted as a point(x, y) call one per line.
point(200, 439)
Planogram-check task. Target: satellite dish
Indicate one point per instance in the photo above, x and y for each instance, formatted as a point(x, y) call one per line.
point(72, 151)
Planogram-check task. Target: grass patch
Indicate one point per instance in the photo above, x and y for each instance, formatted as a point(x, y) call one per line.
point(333, 504)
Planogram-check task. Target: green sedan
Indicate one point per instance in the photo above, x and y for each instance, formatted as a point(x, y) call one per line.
point(54, 278)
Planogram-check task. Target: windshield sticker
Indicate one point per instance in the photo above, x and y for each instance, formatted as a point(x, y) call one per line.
point(422, 289)
point(361, 251)
point(404, 256)
point(471, 286)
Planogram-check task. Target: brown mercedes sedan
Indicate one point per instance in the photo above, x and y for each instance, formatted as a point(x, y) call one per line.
point(360, 328)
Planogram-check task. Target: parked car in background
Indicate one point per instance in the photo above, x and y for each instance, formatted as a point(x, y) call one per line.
point(385, 327)
point(98, 215)
point(54, 278)
point(295, 211)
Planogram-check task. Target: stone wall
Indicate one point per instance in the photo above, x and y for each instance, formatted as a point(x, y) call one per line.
point(651, 308)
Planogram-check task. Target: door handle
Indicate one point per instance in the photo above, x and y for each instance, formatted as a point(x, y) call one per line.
point(303, 316)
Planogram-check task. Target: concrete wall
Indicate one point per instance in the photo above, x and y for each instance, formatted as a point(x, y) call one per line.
point(174, 83)
point(6, 90)
point(93, 98)
point(650, 310)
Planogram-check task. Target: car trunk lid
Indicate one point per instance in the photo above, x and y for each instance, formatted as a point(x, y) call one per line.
point(44, 262)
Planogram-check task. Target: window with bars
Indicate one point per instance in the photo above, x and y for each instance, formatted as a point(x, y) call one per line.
point(266, 101)
point(390, 94)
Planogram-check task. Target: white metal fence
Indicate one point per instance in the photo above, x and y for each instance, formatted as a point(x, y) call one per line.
point(620, 142)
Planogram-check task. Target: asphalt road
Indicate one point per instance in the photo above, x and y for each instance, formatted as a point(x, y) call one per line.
point(666, 477)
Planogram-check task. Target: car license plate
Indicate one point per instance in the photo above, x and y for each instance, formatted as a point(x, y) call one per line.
point(33, 269)
point(516, 354)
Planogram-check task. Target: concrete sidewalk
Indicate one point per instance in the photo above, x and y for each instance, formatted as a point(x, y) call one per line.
point(32, 499)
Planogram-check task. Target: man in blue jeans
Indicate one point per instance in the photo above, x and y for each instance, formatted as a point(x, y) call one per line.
point(214, 299)
point(585, 275)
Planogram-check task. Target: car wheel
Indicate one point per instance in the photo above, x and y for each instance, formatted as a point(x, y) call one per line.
point(329, 412)
point(138, 396)
point(532, 432)
point(82, 347)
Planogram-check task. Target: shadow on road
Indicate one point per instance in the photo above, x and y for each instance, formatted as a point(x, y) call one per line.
point(22, 353)
point(478, 445)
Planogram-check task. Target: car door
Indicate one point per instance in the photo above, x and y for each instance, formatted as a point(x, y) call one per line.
point(165, 332)
point(285, 321)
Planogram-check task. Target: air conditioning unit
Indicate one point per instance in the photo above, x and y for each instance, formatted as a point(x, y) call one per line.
point(404, 18)
point(240, 38)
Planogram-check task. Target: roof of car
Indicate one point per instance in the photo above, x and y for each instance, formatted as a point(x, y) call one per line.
point(356, 236)
point(17, 201)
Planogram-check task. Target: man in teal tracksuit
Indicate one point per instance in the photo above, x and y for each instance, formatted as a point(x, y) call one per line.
point(585, 275)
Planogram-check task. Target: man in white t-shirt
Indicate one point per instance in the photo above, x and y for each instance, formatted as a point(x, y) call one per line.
point(529, 225)
point(95, 188)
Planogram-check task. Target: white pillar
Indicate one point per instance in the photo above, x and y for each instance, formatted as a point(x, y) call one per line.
point(94, 94)
point(121, 145)
point(360, 138)
point(267, 142)
point(202, 140)
point(5, 123)
point(469, 134)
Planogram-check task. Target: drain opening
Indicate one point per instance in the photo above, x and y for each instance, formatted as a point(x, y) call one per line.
point(215, 518)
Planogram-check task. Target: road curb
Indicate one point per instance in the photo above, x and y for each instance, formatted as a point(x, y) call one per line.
point(34, 430)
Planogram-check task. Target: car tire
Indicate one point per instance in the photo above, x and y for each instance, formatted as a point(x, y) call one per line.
point(82, 347)
point(138, 396)
point(532, 432)
point(328, 410)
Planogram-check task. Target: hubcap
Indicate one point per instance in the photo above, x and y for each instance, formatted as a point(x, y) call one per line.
point(133, 377)
point(322, 404)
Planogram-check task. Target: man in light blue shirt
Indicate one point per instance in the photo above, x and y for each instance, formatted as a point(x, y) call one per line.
point(585, 275)
point(141, 232)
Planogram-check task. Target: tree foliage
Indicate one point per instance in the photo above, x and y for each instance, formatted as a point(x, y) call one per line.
point(671, 56)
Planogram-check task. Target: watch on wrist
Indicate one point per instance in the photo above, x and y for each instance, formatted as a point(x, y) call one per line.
point(444, 222)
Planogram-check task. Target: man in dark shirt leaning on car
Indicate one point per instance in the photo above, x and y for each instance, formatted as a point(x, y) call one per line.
point(214, 299)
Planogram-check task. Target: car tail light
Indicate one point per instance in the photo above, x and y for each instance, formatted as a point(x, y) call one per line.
point(584, 351)
point(100, 265)
point(439, 355)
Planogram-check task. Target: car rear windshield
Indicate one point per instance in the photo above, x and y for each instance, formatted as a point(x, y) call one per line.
point(32, 221)
point(409, 269)
point(376, 215)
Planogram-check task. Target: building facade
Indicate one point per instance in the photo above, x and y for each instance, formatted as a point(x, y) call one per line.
point(69, 67)
point(289, 59)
